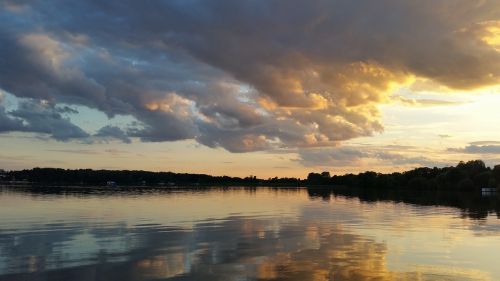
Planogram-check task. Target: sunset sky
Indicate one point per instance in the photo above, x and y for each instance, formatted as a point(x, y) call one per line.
point(248, 87)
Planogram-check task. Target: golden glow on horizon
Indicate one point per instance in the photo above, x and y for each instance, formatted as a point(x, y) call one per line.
point(409, 130)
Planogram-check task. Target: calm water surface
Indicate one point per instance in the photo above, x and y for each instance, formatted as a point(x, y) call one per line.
point(238, 234)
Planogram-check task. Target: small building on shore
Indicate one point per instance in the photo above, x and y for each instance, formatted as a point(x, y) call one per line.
point(488, 191)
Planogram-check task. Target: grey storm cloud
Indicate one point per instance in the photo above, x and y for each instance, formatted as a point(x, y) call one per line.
point(46, 118)
point(40, 117)
point(112, 132)
point(7, 123)
point(244, 75)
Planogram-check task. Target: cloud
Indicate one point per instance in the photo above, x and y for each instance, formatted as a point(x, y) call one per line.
point(486, 147)
point(401, 159)
point(43, 117)
point(46, 118)
point(341, 156)
point(424, 102)
point(74, 151)
point(7, 122)
point(485, 143)
point(242, 75)
point(112, 132)
point(354, 156)
point(14, 6)
point(444, 136)
point(40, 117)
point(116, 152)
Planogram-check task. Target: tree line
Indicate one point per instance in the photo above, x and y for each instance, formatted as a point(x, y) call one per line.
point(57, 176)
point(464, 176)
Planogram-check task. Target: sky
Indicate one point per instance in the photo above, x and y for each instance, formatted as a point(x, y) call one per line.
point(266, 88)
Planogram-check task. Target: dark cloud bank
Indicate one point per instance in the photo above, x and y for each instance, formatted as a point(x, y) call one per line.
point(242, 75)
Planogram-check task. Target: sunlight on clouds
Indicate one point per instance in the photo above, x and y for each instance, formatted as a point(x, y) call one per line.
point(172, 103)
point(331, 74)
point(492, 34)
point(48, 51)
point(419, 127)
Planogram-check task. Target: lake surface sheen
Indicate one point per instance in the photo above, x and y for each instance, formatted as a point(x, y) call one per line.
point(238, 234)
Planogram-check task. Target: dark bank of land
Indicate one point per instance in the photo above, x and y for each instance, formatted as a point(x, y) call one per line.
point(466, 176)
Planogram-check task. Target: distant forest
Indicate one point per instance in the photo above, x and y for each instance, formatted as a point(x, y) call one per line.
point(466, 176)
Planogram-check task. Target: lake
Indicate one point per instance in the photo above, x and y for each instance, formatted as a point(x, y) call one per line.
point(246, 234)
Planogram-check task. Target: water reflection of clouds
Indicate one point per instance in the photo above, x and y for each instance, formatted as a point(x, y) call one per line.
point(246, 235)
point(236, 248)
point(420, 235)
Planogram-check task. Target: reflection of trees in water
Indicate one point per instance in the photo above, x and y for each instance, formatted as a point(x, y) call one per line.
point(236, 248)
point(45, 191)
point(472, 204)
